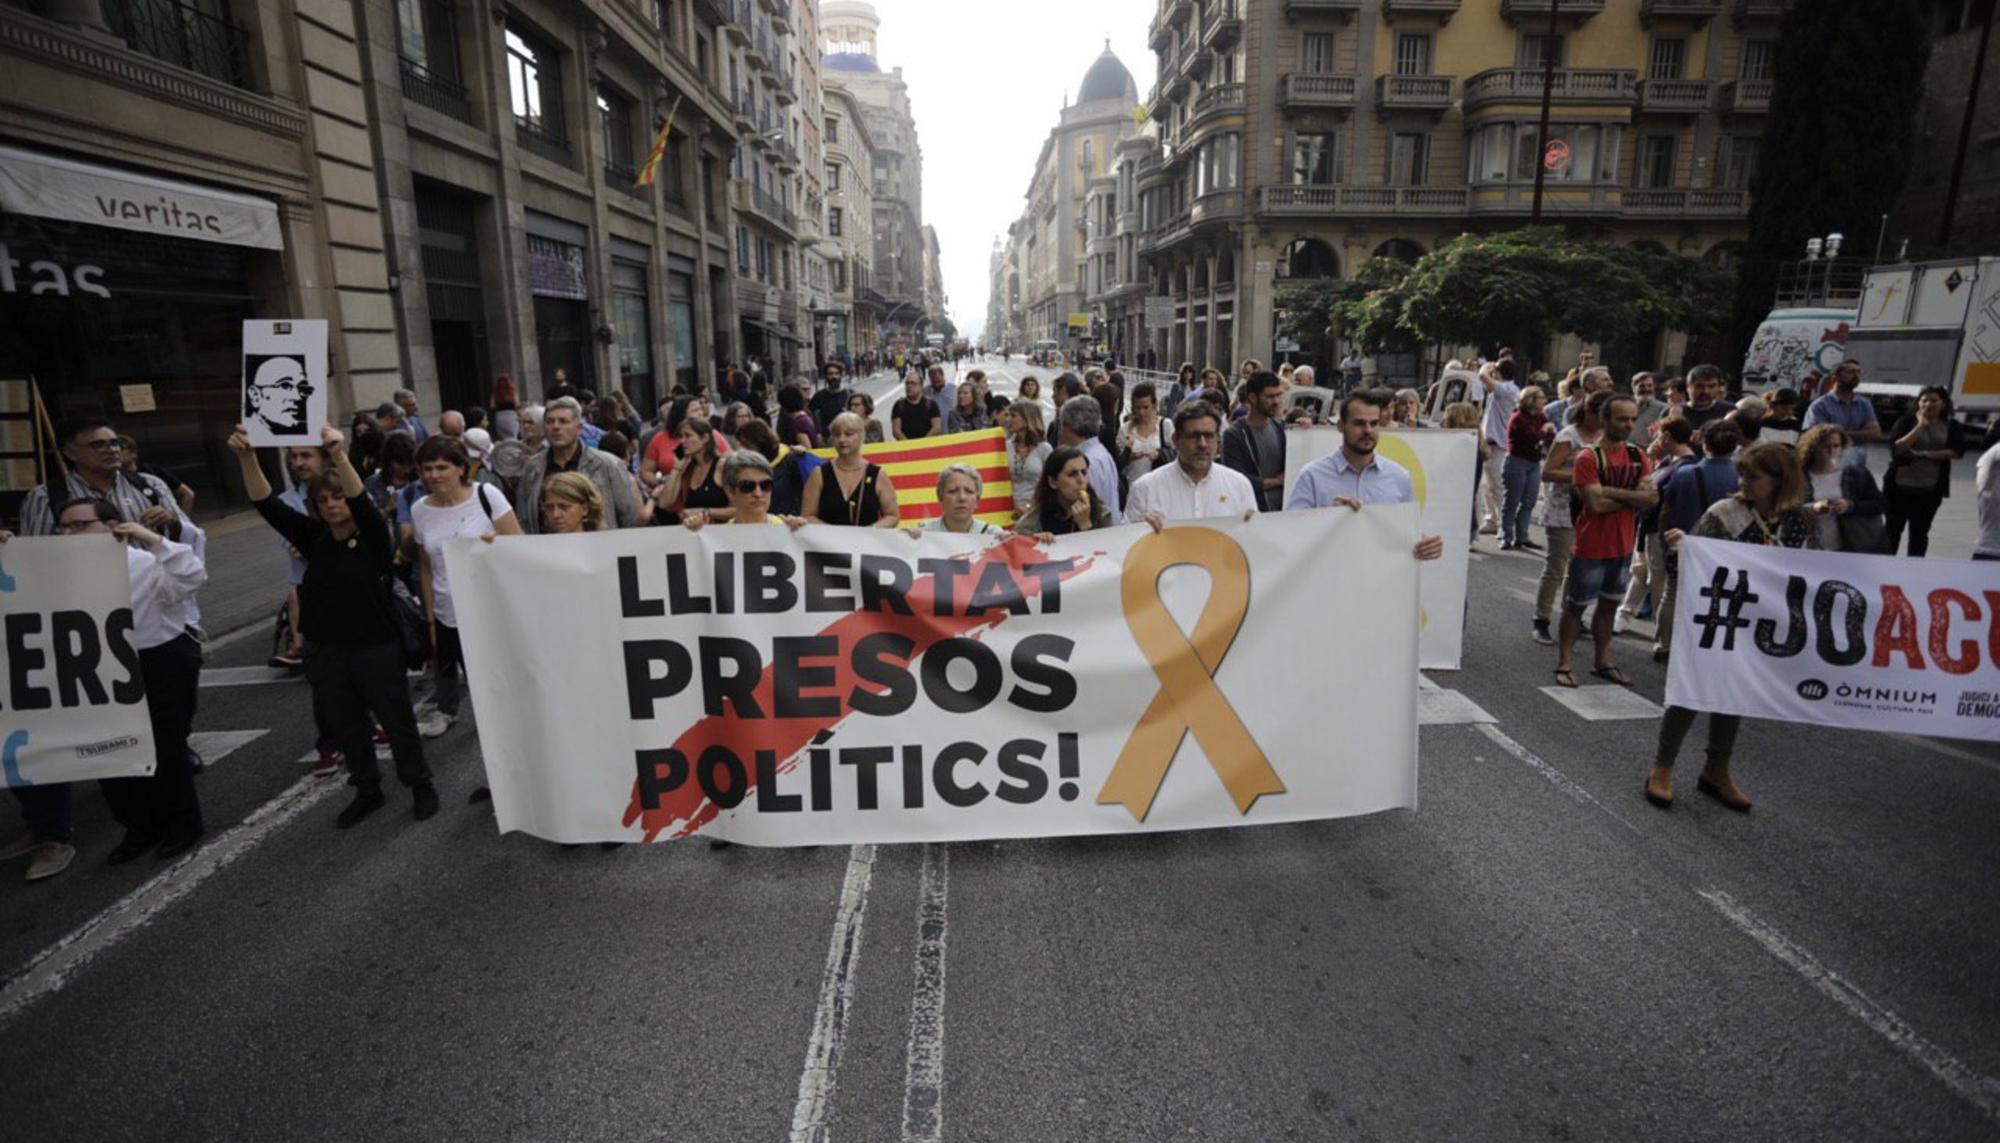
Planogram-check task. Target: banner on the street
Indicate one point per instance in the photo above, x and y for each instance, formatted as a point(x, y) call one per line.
point(913, 468)
point(837, 685)
point(1441, 468)
point(284, 381)
point(74, 704)
point(1838, 639)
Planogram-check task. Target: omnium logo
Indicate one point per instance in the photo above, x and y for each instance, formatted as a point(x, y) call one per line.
point(1812, 690)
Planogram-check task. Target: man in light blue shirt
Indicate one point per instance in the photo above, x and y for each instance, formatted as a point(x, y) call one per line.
point(1848, 409)
point(1354, 474)
point(1080, 420)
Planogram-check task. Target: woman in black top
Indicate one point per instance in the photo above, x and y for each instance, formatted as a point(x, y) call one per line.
point(354, 640)
point(850, 491)
point(1064, 500)
point(694, 483)
point(1924, 444)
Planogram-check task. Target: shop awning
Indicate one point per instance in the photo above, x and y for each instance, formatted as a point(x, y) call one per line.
point(774, 330)
point(49, 187)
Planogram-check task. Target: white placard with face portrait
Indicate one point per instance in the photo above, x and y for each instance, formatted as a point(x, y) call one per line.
point(284, 381)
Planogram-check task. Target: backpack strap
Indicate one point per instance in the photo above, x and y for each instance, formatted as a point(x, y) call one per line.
point(483, 505)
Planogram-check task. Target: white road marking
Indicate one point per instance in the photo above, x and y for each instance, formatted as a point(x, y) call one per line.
point(1557, 778)
point(923, 1083)
point(248, 676)
point(1439, 707)
point(215, 745)
point(1947, 751)
point(1982, 1092)
point(53, 967)
point(1608, 703)
point(255, 626)
point(812, 1113)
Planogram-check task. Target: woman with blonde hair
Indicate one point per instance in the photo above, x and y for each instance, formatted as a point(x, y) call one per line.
point(850, 491)
point(1027, 449)
point(571, 503)
point(1768, 508)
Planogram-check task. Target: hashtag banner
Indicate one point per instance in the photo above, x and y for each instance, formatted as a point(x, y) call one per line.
point(1838, 639)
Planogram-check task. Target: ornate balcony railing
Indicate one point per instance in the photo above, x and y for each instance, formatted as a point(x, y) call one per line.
point(1571, 85)
point(1419, 92)
point(429, 89)
point(543, 136)
point(1339, 200)
point(183, 35)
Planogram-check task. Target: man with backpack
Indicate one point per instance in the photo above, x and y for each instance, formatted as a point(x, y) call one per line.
point(1609, 480)
point(1683, 498)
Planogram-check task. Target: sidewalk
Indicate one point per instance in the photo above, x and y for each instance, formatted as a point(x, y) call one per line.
point(246, 573)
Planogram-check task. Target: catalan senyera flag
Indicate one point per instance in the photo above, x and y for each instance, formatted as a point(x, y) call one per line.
point(659, 146)
point(913, 467)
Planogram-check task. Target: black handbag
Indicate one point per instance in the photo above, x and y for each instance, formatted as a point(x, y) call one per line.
point(410, 623)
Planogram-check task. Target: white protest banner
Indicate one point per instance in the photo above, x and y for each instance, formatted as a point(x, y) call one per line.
point(1838, 639)
point(284, 381)
point(1441, 467)
point(74, 704)
point(840, 685)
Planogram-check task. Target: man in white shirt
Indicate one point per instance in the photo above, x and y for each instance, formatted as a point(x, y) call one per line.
point(1988, 483)
point(1195, 487)
point(1502, 396)
point(1080, 420)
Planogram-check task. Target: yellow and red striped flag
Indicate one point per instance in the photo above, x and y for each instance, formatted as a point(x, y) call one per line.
point(913, 467)
point(659, 147)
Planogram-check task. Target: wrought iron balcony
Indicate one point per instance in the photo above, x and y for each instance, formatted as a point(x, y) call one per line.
point(1224, 27)
point(1651, 10)
point(183, 36)
point(543, 136)
point(1572, 85)
point(1218, 100)
point(427, 88)
point(1314, 199)
point(1414, 92)
point(625, 179)
point(1159, 34)
point(1747, 96)
point(1675, 96)
point(1314, 90)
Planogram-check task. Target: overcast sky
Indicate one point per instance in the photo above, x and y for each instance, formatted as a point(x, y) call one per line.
point(987, 83)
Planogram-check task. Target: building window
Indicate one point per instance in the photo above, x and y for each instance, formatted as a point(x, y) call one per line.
point(1736, 161)
point(534, 84)
point(427, 36)
point(1413, 54)
point(742, 249)
point(1656, 161)
point(832, 129)
point(1215, 164)
point(614, 121)
point(1667, 60)
point(1507, 152)
point(1316, 53)
point(833, 221)
point(833, 176)
point(665, 19)
point(1316, 158)
point(629, 318)
point(839, 271)
point(1538, 49)
point(1759, 58)
point(1409, 158)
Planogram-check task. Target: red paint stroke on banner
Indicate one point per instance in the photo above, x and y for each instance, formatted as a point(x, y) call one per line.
point(686, 810)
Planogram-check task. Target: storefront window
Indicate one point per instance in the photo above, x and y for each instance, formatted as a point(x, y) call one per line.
point(634, 330)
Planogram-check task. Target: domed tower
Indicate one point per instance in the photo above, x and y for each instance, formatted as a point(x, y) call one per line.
point(848, 29)
point(1107, 81)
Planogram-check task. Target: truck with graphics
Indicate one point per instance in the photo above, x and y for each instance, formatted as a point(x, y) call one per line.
point(1931, 323)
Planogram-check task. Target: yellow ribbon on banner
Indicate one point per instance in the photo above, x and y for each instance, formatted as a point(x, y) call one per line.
point(1188, 699)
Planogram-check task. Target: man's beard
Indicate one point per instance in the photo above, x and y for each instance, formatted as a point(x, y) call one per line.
point(1363, 445)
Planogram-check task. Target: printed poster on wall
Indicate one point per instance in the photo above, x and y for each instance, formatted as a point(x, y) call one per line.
point(839, 685)
point(284, 381)
point(75, 704)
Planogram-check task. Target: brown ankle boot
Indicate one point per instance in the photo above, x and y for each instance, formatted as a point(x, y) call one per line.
point(1660, 786)
point(1719, 785)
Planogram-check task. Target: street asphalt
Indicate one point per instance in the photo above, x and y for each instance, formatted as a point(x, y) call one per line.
point(1532, 953)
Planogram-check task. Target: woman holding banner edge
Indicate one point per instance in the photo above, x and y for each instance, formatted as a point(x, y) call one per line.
point(1769, 509)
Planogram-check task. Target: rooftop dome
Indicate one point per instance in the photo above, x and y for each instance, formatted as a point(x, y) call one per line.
point(849, 61)
point(1107, 79)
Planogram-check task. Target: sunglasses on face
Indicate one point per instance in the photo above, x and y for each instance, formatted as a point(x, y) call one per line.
point(747, 487)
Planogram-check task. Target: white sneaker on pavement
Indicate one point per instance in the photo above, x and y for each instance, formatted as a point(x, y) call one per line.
point(51, 858)
point(436, 725)
point(1620, 622)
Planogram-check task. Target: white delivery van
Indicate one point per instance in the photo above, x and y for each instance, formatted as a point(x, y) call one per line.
point(1797, 348)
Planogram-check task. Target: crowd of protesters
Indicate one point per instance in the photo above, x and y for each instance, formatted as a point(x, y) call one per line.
point(1613, 476)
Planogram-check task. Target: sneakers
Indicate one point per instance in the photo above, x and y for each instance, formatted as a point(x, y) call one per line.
point(1542, 635)
point(365, 802)
point(436, 724)
point(1508, 545)
point(51, 858)
point(1620, 623)
point(289, 659)
point(20, 845)
point(424, 801)
point(328, 763)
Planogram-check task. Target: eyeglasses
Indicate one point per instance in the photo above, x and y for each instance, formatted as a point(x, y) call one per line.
point(746, 487)
point(303, 388)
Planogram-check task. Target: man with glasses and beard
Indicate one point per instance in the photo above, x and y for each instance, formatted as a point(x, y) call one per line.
point(1849, 409)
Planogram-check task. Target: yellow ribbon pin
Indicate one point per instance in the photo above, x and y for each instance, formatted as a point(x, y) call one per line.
point(1188, 699)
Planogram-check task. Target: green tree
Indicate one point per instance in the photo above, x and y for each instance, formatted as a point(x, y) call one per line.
point(1840, 137)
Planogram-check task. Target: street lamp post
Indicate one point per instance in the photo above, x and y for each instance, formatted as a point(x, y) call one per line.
point(1548, 98)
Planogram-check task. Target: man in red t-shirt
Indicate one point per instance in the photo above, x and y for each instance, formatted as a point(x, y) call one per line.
point(1611, 488)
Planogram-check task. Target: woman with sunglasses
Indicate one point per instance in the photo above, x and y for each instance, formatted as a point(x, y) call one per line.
point(850, 491)
point(747, 477)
